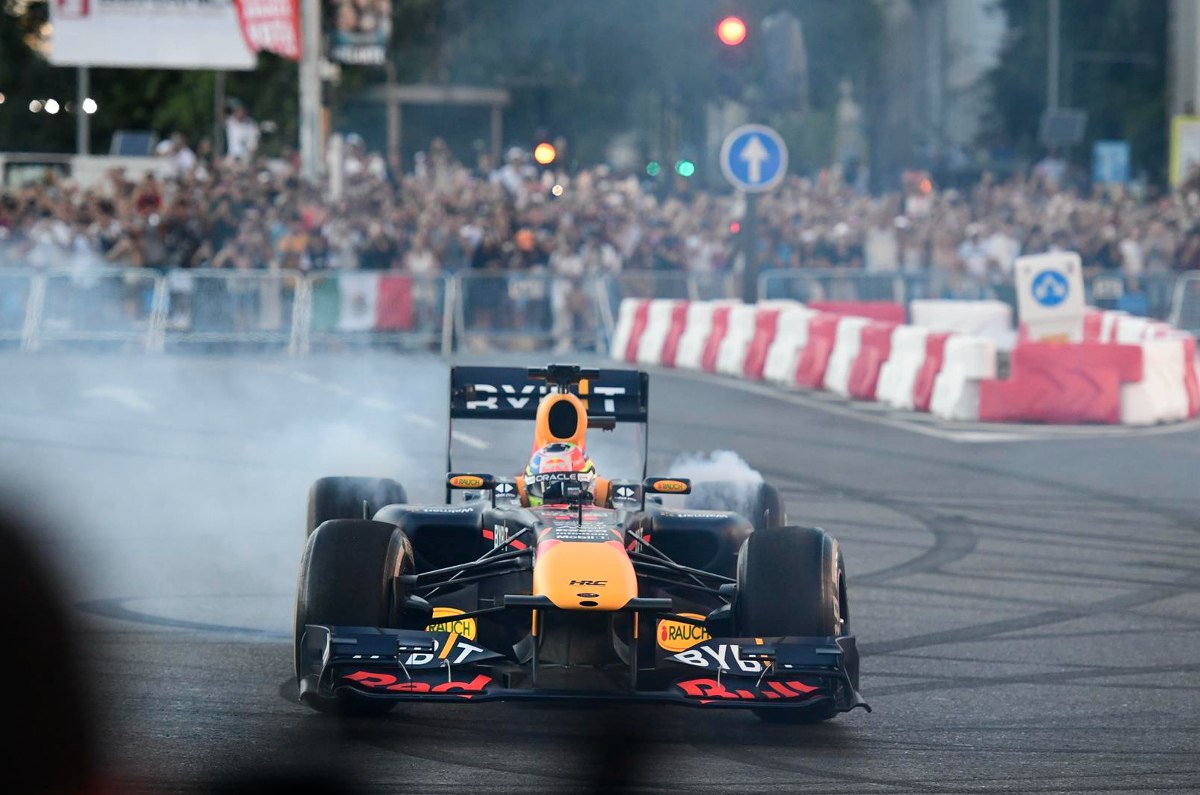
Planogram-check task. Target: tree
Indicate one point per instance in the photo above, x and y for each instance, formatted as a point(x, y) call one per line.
point(1113, 65)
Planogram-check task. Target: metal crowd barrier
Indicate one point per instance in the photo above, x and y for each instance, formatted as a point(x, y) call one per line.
point(220, 309)
point(386, 307)
point(1148, 295)
point(16, 286)
point(217, 308)
point(1185, 303)
point(831, 284)
point(117, 306)
point(527, 311)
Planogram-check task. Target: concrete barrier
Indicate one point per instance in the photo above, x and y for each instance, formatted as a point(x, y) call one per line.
point(967, 361)
point(631, 322)
point(847, 343)
point(791, 336)
point(814, 358)
point(875, 346)
point(898, 374)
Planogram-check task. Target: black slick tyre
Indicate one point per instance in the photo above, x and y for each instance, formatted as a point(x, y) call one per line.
point(790, 581)
point(350, 498)
point(347, 578)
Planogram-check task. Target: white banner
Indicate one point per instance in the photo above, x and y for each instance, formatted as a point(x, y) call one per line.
point(164, 34)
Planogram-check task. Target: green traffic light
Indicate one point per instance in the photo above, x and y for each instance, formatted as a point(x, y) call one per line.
point(653, 168)
point(685, 168)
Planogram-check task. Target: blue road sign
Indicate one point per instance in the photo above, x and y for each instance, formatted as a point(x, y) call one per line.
point(1050, 288)
point(1110, 162)
point(754, 158)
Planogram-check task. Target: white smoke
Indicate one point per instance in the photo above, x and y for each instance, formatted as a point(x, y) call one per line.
point(716, 465)
point(721, 481)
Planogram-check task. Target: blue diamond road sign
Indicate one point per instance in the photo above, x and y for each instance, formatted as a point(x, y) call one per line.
point(1050, 288)
point(754, 158)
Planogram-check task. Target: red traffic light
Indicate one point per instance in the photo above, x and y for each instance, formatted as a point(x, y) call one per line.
point(731, 31)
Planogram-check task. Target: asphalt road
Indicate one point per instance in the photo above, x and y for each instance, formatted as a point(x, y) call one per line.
point(1028, 607)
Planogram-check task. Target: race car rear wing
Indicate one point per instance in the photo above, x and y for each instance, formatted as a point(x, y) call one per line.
point(512, 393)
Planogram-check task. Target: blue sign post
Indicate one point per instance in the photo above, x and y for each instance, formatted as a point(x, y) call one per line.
point(754, 159)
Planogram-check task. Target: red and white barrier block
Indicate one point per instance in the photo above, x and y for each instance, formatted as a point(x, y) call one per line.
point(703, 319)
point(967, 361)
point(791, 337)
point(660, 315)
point(846, 345)
point(898, 375)
point(739, 332)
point(1128, 370)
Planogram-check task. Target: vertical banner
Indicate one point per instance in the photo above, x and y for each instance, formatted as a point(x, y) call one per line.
point(362, 30)
point(1110, 162)
point(271, 26)
point(1185, 147)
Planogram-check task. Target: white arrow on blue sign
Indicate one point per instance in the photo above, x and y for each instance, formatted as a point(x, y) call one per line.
point(754, 158)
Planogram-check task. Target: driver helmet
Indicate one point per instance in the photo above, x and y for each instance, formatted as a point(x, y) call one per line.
point(552, 468)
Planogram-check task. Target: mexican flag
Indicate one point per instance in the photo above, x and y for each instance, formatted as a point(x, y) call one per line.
point(358, 301)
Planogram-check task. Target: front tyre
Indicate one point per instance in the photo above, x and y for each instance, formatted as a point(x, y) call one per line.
point(791, 581)
point(348, 578)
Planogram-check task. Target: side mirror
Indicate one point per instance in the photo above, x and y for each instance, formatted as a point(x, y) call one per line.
point(470, 482)
point(667, 486)
point(625, 492)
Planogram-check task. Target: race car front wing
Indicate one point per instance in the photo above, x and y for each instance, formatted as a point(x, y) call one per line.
point(415, 665)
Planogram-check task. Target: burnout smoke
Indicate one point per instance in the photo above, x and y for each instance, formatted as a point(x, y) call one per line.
point(721, 481)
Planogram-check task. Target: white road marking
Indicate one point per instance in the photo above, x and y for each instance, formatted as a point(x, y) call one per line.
point(123, 396)
point(470, 441)
point(305, 378)
point(977, 433)
point(417, 419)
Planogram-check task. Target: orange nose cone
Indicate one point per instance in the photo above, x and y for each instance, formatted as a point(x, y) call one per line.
point(584, 575)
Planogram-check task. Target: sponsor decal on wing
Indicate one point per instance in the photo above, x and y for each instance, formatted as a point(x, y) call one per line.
point(375, 680)
point(463, 627)
point(676, 636)
point(710, 690)
point(726, 657)
point(466, 482)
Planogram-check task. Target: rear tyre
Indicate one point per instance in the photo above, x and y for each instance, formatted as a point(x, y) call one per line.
point(347, 578)
point(350, 498)
point(790, 581)
point(759, 503)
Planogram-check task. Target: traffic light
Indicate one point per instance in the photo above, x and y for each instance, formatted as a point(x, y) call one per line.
point(544, 153)
point(731, 31)
point(685, 168)
point(734, 56)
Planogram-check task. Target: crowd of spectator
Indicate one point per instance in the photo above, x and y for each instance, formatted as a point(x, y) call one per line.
point(444, 216)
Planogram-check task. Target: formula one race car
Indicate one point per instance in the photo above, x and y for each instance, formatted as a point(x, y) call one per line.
point(562, 585)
